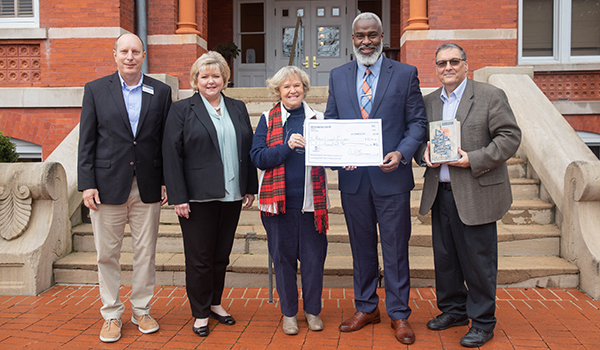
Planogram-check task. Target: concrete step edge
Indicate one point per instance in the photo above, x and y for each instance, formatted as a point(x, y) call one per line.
point(518, 204)
point(339, 233)
point(510, 269)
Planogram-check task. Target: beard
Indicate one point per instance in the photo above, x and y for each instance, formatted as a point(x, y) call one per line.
point(368, 60)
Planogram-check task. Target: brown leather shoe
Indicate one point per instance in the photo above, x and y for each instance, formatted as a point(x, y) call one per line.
point(404, 332)
point(359, 320)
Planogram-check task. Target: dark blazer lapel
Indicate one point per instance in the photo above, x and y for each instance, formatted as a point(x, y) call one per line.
point(146, 100)
point(201, 113)
point(236, 119)
point(117, 92)
point(385, 76)
point(351, 83)
point(466, 102)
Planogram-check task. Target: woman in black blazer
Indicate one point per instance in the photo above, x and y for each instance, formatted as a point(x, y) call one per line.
point(209, 176)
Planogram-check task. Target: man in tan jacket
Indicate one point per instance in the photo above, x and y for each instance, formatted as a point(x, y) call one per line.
point(468, 196)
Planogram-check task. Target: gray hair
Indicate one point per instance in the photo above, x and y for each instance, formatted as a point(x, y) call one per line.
point(367, 15)
point(463, 55)
point(274, 82)
point(210, 60)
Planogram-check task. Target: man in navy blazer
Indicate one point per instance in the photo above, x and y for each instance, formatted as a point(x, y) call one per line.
point(121, 175)
point(375, 87)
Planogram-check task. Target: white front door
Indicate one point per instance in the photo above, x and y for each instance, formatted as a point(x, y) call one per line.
point(323, 41)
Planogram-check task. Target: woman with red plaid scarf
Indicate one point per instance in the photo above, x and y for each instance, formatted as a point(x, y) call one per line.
point(292, 198)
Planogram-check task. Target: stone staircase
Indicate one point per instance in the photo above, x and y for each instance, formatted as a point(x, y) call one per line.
point(528, 239)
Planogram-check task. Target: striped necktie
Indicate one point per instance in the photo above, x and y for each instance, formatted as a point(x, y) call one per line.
point(366, 96)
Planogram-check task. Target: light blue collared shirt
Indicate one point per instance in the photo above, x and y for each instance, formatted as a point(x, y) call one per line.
point(360, 77)
point(449, 112)
point(229, 153)
point(133, 101)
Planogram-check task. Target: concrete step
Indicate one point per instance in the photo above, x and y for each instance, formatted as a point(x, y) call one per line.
point(522, 212)
point(513, 240)
point(251, 270)
point(522, 188)
point(517, 168)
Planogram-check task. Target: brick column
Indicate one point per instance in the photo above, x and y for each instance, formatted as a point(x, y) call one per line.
point(187, 18)
point(418, 15)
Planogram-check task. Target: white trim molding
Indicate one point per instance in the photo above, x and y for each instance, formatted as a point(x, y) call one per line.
point(458, 35)
point(105, 32)
point(41, 97)
point(177, 39)
point(23, 33)
point(85, 32)
point(577, 107)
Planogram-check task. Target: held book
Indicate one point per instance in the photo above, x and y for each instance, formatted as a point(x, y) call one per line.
point(444, 137)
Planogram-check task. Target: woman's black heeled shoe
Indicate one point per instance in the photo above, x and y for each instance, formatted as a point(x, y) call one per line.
point(228, 320)
point(201, 331)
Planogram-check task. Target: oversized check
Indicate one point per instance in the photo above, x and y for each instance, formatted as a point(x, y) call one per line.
point(335, 142)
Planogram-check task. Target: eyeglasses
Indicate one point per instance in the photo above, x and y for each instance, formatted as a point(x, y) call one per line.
point(453, 62)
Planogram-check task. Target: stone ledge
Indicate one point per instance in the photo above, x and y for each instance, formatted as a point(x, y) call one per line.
point(58, 97)
point(512, 271)
point(23, 33)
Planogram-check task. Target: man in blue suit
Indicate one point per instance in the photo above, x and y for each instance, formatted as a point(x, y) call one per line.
point(376, 87)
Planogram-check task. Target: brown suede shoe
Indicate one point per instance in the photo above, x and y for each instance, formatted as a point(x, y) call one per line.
point(404, 332)
point(359, 320)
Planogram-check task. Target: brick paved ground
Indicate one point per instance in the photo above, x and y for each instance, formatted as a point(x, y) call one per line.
point(67, 317)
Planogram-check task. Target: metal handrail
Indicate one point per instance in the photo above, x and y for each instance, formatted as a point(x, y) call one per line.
point(293, 53)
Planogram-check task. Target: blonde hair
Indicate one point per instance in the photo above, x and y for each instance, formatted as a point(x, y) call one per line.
point(274, 82)
point(209, 61)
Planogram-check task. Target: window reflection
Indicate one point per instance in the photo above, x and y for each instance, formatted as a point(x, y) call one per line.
point(329, 42)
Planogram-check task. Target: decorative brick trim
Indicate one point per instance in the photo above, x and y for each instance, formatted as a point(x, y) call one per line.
point(19, 63)
point(571, 86)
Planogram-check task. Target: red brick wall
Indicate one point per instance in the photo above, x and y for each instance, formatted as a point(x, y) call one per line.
point(473, 14)
point(404, 14)
point(76, 62)
point(202, 19)
point(46, 127)
point(67, 62)
point(395, 23)
point(574, 86)
point(480, 53)
point(162, 16)
point(83, 13)
point(126, 13)
point(220, 22)
point(175, 60)
point(586, 122)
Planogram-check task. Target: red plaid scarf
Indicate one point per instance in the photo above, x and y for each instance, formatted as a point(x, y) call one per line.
point(272, 190)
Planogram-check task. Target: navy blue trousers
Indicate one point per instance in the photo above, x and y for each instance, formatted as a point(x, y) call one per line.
point(464, 254)
point(363, 211)
point(292, 237)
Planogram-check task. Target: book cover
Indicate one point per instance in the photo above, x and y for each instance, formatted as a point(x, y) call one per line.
point(444, 137)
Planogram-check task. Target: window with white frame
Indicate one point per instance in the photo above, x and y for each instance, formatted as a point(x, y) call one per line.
point(19, 13)
point(559, 31)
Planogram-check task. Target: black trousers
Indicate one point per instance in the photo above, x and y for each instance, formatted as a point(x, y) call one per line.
point(466, 264)
point(207, 240)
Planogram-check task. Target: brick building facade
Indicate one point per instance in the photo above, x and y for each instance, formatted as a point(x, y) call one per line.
point(67, 43)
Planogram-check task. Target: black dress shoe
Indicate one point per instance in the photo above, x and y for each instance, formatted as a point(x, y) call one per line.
point(228, 320)
point(201, 331)
point(446, 320)
point(476, 337)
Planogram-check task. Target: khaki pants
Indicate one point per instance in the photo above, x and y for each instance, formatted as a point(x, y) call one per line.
point(108, 224)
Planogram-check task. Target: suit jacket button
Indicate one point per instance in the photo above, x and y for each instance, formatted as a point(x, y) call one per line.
point(131, 163)
point(135, 143)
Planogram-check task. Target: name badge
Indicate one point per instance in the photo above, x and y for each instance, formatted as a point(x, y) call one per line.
point(148, 89)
